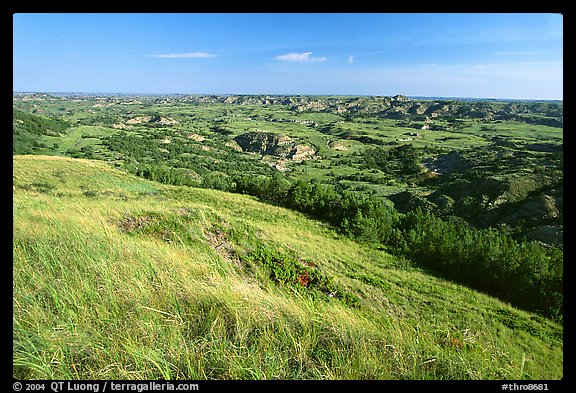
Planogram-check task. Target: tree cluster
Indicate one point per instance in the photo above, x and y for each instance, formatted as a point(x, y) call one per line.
point(26, 128)
point(403, 159)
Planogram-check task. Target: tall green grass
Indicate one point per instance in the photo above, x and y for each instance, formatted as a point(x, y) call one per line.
point(100, 292)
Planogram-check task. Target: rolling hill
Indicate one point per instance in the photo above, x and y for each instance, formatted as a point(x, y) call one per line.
point(118, 277)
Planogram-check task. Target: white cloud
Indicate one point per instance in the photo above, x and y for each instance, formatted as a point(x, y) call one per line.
point(190, 55)
point(351, 59)
point(305, 56)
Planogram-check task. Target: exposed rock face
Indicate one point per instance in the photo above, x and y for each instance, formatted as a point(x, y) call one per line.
point(338, 145)
point(400, 98)
point(139, 119)
point(417, 109)
point(164, 121)
point(233, 145)
point(196, 137)
point(302, 152)
point(277, 145)
point(311, 106)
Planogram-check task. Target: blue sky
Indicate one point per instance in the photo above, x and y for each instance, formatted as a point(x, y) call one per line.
point(448, 55)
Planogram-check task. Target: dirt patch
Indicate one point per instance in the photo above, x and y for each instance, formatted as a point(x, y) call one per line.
point(222, 245)
point(131, 224)
point(196, 137)
point(338, 145)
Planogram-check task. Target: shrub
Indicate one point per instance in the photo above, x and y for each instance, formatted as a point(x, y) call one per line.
point(287, 270)
point(524, 273)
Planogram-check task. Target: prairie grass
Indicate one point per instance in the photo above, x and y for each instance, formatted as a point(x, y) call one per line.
point(125, 283)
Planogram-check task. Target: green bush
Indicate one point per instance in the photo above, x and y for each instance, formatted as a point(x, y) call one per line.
point(287, 270)
point(524, 273)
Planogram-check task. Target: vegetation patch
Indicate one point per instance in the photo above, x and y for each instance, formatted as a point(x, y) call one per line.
point(167, 226)
point(41, 187)
point(287, 270)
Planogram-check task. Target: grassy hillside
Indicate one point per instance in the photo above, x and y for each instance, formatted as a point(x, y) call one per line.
point(116, 277)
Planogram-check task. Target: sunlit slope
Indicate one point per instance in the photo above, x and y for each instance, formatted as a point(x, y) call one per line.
point(119, 277)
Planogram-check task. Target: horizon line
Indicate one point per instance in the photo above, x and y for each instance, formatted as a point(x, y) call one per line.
point(278, 94)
